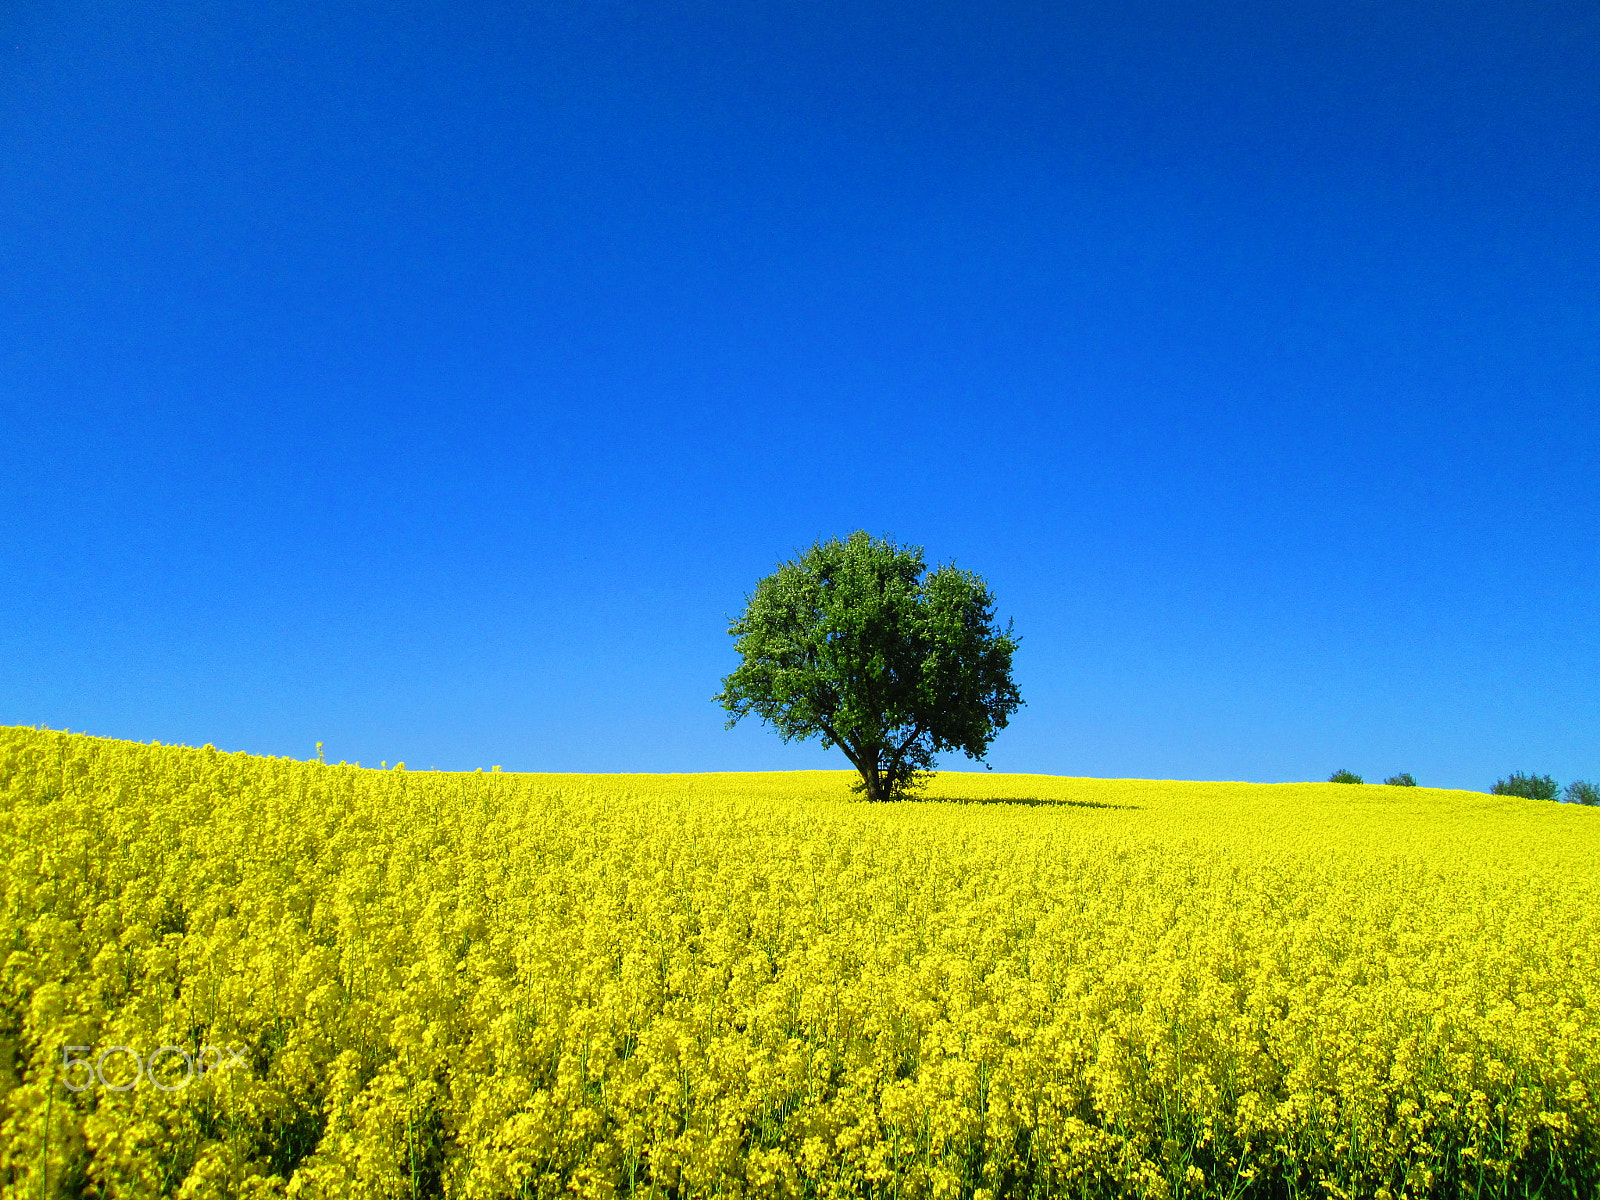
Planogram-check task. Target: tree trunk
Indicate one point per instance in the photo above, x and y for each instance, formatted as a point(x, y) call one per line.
point(865, 761)
point(871, 776)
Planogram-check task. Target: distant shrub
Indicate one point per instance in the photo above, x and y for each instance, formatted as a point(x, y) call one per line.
point(1404, 779)
point(1343, 776)
point(1579, 792)
point(1533, 787)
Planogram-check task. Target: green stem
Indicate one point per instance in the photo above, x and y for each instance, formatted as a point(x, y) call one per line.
point(44, 1170)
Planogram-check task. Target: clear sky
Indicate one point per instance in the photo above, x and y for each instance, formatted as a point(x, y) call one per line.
point(435, 379)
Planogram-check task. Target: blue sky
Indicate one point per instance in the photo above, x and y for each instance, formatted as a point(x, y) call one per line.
point(434, 380)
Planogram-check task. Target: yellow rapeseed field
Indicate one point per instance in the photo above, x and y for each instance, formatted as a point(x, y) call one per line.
point(228, 975)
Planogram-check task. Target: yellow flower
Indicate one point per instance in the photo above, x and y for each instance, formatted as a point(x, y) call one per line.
point(487, 984)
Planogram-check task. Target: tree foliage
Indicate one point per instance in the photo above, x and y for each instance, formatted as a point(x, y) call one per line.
point(1533, 787)
point(1404, 779)
point(1343, 776)
point(857, 643)
point(1579, 792)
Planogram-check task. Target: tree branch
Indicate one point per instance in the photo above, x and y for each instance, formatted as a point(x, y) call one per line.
point(850, 751)
point(916, 732)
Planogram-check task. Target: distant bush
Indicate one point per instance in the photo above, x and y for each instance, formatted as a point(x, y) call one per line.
point(1533, 787)
point(1404, 779)
point(1343, 776)
point(1579, 792)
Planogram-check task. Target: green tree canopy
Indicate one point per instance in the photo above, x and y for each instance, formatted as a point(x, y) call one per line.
point(1579, 792)
point(1534, 787)
point(856, 643)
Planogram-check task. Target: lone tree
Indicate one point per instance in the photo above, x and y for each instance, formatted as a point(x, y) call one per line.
point(854, 642)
